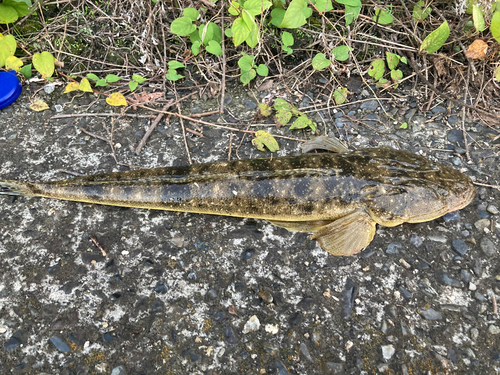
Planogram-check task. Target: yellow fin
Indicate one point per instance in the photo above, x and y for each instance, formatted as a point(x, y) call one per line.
point(347, 235)
point(301, 226)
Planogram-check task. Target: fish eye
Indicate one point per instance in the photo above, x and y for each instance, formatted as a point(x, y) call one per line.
point(443, 192)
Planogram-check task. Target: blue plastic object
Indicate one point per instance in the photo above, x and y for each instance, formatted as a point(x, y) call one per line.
point(10, 88)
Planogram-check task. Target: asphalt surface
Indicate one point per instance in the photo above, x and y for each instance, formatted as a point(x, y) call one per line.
point(89, 289)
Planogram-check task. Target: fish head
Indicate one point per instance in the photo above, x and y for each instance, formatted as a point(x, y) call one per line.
point(413, 189)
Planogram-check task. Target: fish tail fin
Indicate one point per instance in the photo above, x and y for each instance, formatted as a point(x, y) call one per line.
point(9, 187)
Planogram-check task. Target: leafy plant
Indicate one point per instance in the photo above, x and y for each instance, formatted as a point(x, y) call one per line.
point(377, 69)
point(420, 11)
point(287, 40)
point(284, 113)
point(102, 82)
point(249, 70)
point(383, 17)
point(264, 139)
point(172, 74)
point(11, 10)
point(136, 80)
point(436, 39)
point(320, 62)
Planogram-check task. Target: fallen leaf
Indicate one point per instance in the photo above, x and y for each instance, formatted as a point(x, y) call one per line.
point(39, 105)
point(232, 310)
point(116, 99)
point(13, 63)
point(85, 85)
point(72, 86)
point(477, 50)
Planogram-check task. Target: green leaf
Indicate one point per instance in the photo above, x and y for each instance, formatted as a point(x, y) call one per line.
point(497, 73)
point(8, 47)
point(396, 75)
point(301, 122)
point(341, 53)
point(247, 76)
point(246, 62)
point(263, 138)
point(436, 39)
point(228, 32)
point(172, 64)
point(44, 63)
point(320, 62)
point(282, 117)
point(191, 13)
point(234, 9)
point(351, 13)
point(195, 48)
point(26, 71)
point(7, 14)
point(172, 75)
point(112, 78)
point(477, 17)
point(420, 11)
point(288, 50)
point(383, 17)
point(377, 69)
point(21, 7)
point(101, 82)
point(404, 125)
point(494, 27)
point(214, 48)
point(256, 7)
point(340, 95)
point(92, 76)
point(254, 36)
point(132, 85)
point(351, 3)
point(262, 70)
point(282, 104)
point(392, 60)
point(277, 16)
point(240, 31)
point(182, 26)
point(287, 38)
point(265, 109)
point(295, 15)
point(323, 5)
point(138, 78)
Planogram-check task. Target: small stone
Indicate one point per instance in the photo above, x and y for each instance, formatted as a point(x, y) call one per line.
point(431, 314)
point(474, 333)
point(493, 329)
point(49, 89)
point(272, 328)
point(465, 276)
point(459, 246)
point(488, 247)
point(108, 337)
point(406, 294)
point(388, 351)
point(445, 279)
point(393, 248)
point(266, 295)
point(438, 238)
point(11, 344)
point(230, 336)
point(492, 209)
point(482, 224)
point(59, 344)
point(370, 105)
point(305, 351)
point(452, 119)
point(161, 288)
point(118, 371)
point(281, 368)
point(438, 109)
point(456, 161)
point(253, 324)
point(451, 216)
point(416, 240)
point(472, 286)
point(483, 215)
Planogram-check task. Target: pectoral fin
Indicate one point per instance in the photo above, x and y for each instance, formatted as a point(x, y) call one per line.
point(301, 226)
point(347, 235)
point(324, 143)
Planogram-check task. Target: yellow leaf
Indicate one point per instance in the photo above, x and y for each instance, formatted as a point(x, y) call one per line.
point(85, 85)
point(39, 105)
point(116, 99)
point(72, 86)
point(13, 63)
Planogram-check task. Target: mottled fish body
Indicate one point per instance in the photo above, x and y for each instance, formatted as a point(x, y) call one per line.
point(339, 197)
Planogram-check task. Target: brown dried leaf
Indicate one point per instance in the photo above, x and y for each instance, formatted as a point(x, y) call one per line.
point(477, 50)
point(232, 310)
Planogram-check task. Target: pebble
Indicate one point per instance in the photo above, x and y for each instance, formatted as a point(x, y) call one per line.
point(493, 329)
point(281, 369)
point(459, 246)
point(438, 109)
point(388, 351)
point(230, 336)
point(416, 240)
point(456, 160)
point(348, 296)
point(59, 344)
point(431, 314)
point(119, 370)
point(393, 248)
point(305, 351)
point(492, 209)
point(272, 328)
point(465, 276)
point(438, 238)
point(482, 224)
point(11, 344)
point(474, 334)
point(488, 247)
point(445, 279)
point(369, 105)
point(252, 325)
point(161, 288)
point(108, 337)
point(452, 119)
point(483, 215)
point(49, 89)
